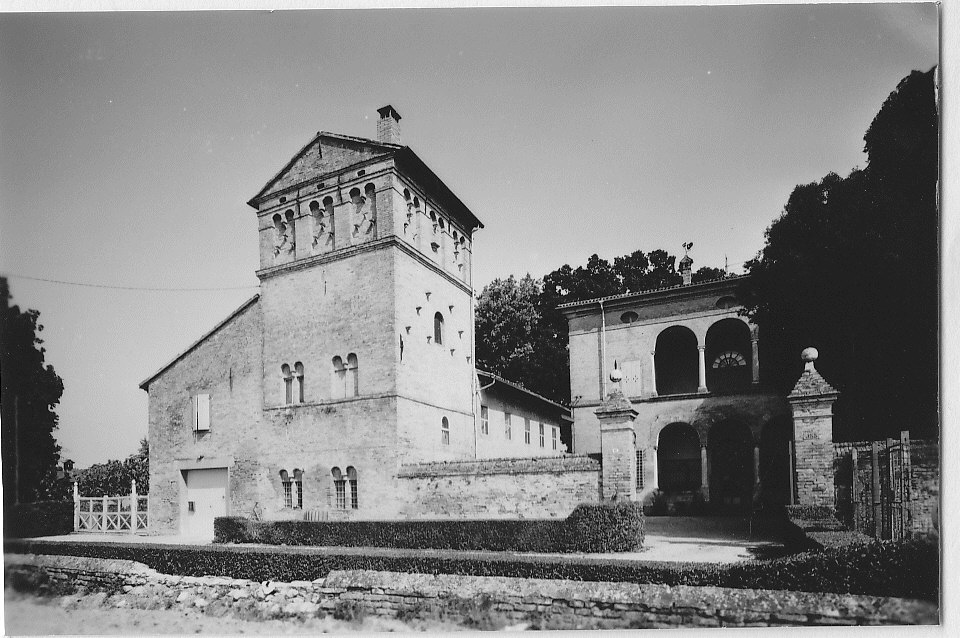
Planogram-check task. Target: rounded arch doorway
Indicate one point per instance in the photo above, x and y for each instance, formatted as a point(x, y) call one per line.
point(730, 448)
point(678, 458)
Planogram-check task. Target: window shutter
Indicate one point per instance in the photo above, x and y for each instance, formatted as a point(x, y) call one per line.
point(202, 412)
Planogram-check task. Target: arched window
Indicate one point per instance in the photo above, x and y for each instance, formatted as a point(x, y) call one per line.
point(678, 458)
point(291, 231)
point(287, 384)
point(338, 379)
point(298, 373)
point(677, 361)
point(353, 376)
point(728, 356)
point(298, 483)
point(339, 488)
point(438, 329)
point(354, 496)
point(287, 489)
point(444, 431)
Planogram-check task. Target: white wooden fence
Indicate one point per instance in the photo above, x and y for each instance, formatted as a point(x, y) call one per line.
point(110, 513)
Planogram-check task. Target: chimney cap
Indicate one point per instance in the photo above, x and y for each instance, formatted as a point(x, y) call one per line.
point(388, 111)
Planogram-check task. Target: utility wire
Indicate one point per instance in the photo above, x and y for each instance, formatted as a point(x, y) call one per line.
point(89, 285)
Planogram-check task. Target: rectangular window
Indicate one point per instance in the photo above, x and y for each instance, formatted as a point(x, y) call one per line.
point(299, 484)
point(354, 498)
point(288, 393)
point(543, 442)
point(445, 431)
point(639, 469)
point(341, 486)
point(484, 420)
point(507, 426)
point(201, 412)
point(288, 493)
point(555, 432)
point(526, 431)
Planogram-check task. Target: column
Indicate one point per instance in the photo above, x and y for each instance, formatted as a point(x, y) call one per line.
point(703, 370)
point(656, 470)
point(133, 506)
point(704, 473)
point(76, 506)
point(653, 373)
point(755, 360)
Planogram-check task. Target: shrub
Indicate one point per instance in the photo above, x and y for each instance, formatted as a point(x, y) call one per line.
point(907, 569)
point(605, 527)
point(577, 533)
point(43, 518)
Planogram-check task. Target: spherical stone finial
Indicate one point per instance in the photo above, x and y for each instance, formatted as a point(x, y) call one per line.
point(809, 355)
point(616, 375)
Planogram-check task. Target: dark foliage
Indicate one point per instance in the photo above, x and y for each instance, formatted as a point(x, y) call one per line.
point(907, 569)
point(41, 518)
point(522, 336)
point(31, 391)
point(113, 478)
point(850, 267)
point(614, 527)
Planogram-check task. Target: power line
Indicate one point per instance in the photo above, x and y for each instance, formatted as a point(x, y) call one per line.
point(143, 288)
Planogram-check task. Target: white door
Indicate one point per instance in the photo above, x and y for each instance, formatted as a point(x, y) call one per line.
point(206, 499)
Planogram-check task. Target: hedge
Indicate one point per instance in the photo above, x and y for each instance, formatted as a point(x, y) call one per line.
point(42, 518)
point(594, 528)
point(906, 569)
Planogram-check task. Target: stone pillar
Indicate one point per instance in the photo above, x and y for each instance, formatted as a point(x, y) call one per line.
point(755, 360)
point(133, 506)
point(656, 470)
point(618, 446)
point(811, 402)
point(704, 474)
point(703, 370)
point(653, 373)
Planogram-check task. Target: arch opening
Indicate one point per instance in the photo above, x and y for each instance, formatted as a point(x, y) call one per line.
point(677, 361)
point(730, 446)
point(678, 458)
point(728, 356)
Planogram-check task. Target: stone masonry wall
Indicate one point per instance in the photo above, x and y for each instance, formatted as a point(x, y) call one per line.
point(545, 487)
point(563, 604)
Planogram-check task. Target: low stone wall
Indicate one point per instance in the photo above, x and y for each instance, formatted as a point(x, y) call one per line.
point(545, 487)
point(555, 604)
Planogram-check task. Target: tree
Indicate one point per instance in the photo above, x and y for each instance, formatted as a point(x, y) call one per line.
point(113, 477)
point(850, 267)
point(521, 333)
point(31, 391)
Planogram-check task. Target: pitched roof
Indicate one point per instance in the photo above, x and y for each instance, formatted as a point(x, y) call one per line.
point(406, 161)
point(811, 384)
point(497, 378)
point(643, 293)
point(246, 304)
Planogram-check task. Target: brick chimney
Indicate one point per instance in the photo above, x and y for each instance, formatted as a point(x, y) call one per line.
point(388, 128)
point(686, 269)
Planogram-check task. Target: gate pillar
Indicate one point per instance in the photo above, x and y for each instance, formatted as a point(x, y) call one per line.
point(811, 402)
point(618, 444)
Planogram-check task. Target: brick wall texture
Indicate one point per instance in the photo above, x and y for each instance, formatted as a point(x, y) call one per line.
point(562, 604)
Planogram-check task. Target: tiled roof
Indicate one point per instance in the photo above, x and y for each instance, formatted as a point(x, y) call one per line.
point(811, 383)
point(517, 386)
point(642, 293)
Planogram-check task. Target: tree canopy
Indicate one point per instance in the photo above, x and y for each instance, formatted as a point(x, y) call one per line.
point(521, 334)
point(850, 267)
point(113, 477)
point(31, 390)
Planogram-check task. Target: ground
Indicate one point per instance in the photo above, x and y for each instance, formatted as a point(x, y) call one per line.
point(31, 616)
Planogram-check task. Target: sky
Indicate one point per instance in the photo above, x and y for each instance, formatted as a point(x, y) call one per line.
point(130, 142)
